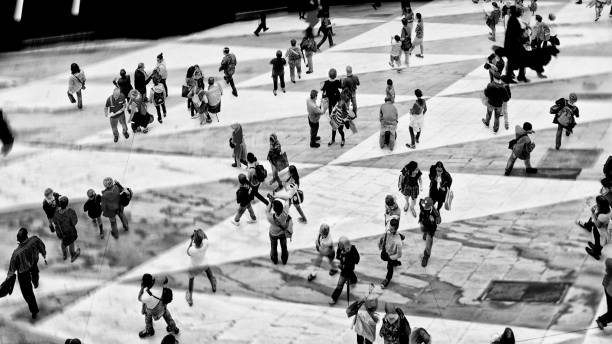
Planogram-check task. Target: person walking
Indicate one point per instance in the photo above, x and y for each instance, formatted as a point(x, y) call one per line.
point(124, 83)
point(228, 66)
point(326, 28)
point(158, 97)
point(278, 71)
point(429, 219)
point(388, 117)
point(197, 258)
point(390, 246)
point(565, 112)
point(262, 24)
point(243, 198)
point(598, 225)
point(6, 135)
point(93, 208)
point(603, 320)
point(277, 160)
point(308, 46)
point(350, 84)
point(76, 84)
point(348, 256)
point(162, 71)
point(418, 36)
point(141, 80)
point(496, 95)
point(396, 52)
point(325, 249)
point(514, 46)
point(292, 193)
point(390, 329)
point(140, 118)
point(24, 264)
point(539, 34)
point(409, 184)
point(492, 19)
point(238, 146)
point(417, 118)
point(294, 58)
point(50, 204)
point(114, 110)
point(111, 206)
point(507, 337)
point(440, 182)
point(314, 114)
point(65, 220)
point(365, 322)
point(406, 39)
point(392, 210)
point(390, 91)
point(154, 306)
point(281, 229)
point(190, 84)
point(521, 147)
point(339, 118)
point(256, 175)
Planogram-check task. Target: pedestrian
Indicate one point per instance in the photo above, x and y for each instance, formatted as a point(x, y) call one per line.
point(169, 339)
point(197, 257)
point(243, 198)
point(409, 16)
point(365, 322)
point(238, 146)
point(331, 91)
point(406, 39)
point(162, 70)
point(24, 263)
point(199, 102)
point(507, 337)
point(6, 135)
point(392, 209)
point(496, 95)
point(440, 182)
point(314, 114)
point(599, 4)
point(390, 91)
point(495, 62)
point(93, 207)
point(114, 110)
point(281, 229)
point(256, 175)
point(325, 249)
point(262, 24)
point(410, 184)
point(350, 84)
point(158, 99)
point(539, 34)
point(154, 305)
point(390, 329)
point(339, 118)
point(417, 118)
point(111, 206)
point(278, 71)
point(406, 8)
point(190, 84)
point(390, 246)
point(139, 116)
point(292, 193)
point(552, 27)
point(294, 58)
point(213, 96)
point(141, 80)
point(598, 225)
point(277, 160)
point(606, 318)
point(326, 28)
point(76, 84)
point(396, 52)
point(388, 124)
point(565, 112)
point(50, 204)
point(492, 20)
point(521, 147)
point(228, 66)
point(348, 256)
point(308, 46)
point(376, 5)
point(124, 83)
point(420, 336)
point(429, 219)
point(514, 48)
point(65, 220)
point(418, 36)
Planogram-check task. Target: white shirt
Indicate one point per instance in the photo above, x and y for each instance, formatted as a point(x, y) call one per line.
point(149, 300)
point(198, 255)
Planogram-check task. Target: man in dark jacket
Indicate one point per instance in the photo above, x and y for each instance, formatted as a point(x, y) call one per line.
point(496, 96)
point(522, 148)
point(349, 257)
point(111, 206)
point(65, 220)
point(429, 219)
point(565, 116)
point(93, 207)
point(24, 263)
point(141, 79)
point(50, 204)
point(228, 66)
point(514, 46)
point(6, 136)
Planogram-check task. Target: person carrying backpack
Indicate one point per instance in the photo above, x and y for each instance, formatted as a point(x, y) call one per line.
point(294, 58)
point(308, 47)
point(429, 219)
point(243, 198)
point(521, 147)
point(256, 174)
point(348, 256)
point(155, 299)
point(565, 113)
point(158, 98)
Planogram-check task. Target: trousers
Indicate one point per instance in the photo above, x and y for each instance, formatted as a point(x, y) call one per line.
point(26, 280)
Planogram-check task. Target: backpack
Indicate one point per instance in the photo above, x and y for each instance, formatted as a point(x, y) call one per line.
point(166, 296)
point(158, 98)
point(416, 109)
point(261, 173)
point(565, 116)
point(125, 197)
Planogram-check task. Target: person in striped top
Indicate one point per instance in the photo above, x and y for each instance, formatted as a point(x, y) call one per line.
point(418, 35)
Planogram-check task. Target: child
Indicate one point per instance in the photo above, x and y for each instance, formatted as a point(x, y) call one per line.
point(158, 98)
point(65, 220)
point(197, 254)
point(417, 116)
point(390, 91)
point(93, 207)
point(278, 71)
point(243, 198)
point(396, 51)
point(418, 35)
point(325, 249)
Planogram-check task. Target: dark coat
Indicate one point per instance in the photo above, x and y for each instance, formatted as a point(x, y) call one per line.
point(348, 260)
point(124, 84)
point(496, 94)
point(110, 201)
point(6, 136)
point(49, 208)
point(93, 207)
point(65, 221)
point(141, 81)
point(447, 180)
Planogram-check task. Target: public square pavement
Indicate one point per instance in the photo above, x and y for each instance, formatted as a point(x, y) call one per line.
point(516, 228)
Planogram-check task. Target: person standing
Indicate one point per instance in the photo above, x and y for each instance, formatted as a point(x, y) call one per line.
point(326, 28)
point(314, 114)
point(262, 24)
point(76, 84)
point(606, 318)
point(278, 71)
point(339, 118)
point(406, 39)
point(493, 19)
point(238, 146)
point(111, 206)
point(325, 249)
point(350, 84)
point(243, 198)
point(514, 46)
point(418, 36)
point(114, 110)
point(6, 135)
point(308, 46)
point(24, 264)
point(162, 70)
point(153, 306)
point(598, 225)
point(256, 175)
point(392, 210)
point(365, 322)
point(495, 62)
point(390, 91)
point(65, 220)
point(565, 117)
point(213, 96)
point(429, 219)
point(440, 182)
point(93, 207)
point(409, 184)
point(521, 148)
point(141, 80)
point(390, 246)
point(348, 256)
point(281, 229)
point(50, 205)
point(417, 119)
point(228, 66)
point(197, 258)
point(190, 84)
point(496, 96)
point(292, 193)
point(158, 99)
point(199, 102)
point(396, 52)
point(388, 124)
point(294, 57)
point(124, 83)
point(275, 157)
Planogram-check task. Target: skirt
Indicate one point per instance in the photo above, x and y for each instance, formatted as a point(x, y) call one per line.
point(214, 108)
point(412, 191)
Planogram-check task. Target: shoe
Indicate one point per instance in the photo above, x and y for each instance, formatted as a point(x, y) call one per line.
point(299, 76)
point(333, 272)
point(424, 261)
point(308, 71)
point(525, 80)
point(76, 255)
point(331, 143)
point(235, 223)
point(174, 330)
point(65, 257)
point(567, 133)
point(125, 229)
point(274, 92)
point(164, 115)
point(126, 135)
point(302, 220)
point(485, 122)
point(495, 131)
point(315, 145)
point(384, 284)
point(410, 146)
point(413, 212)
point(266, 29)
point(531, 170)
point(235, 93)
point(115, 235)
point(145, 130)
point(591, 252)
point(417, 140)
point(596, 19)
point(492, 39)
point(342, 143)
point(256, 34)
point(318, 138)
point(507, 173)
point(600, 324)
point(115, 139)
point(310, 277)
point(332, 302)
point(542, 76)
point(391, 64)
point(293, 81)
point(188, 298)
point(251, 221)
point(159, 120)
point(145, 333)
point(234, 165)
point(284, 90)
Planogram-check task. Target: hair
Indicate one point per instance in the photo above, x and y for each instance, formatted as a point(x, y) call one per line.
point(494, 4)
point(389, 308)
point(371, 305)
point(418, 93)
point(293, 173)
point(277, 206)
point(122, 72)
point(198, 236)
point(527, 126)
point(200, 83)
point(507, 337)
point(279, 53)
point(91, 193)
point(349, 70)
point(412, 166)
point(388, 99)
point(22, 234)
point(439, 164)
point(211, 80)
point(602, 204)
point(72, 341)
point(344, 242)
point(63, 202)
point(606, 182)
point(538, 17)
point(324, 229)
point(332, 73)
point(108, 182)
point(226, 50)
point(140, 64)
point(160, 56)
point(418, 15)
point(147, 280)
point(397, 38)
point(389, 82)
point(251, 158)
point(293, 42)
point(313, 94)
point(74, 68)
point(48, 191)
point(242, 178)
point(394, 223)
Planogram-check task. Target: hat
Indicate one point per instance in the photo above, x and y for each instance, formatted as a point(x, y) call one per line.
point(427, 202)
point(527, 127)
point(108, 182)
point(573, 97)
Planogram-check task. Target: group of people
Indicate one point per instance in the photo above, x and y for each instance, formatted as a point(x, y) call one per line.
point(404, 43)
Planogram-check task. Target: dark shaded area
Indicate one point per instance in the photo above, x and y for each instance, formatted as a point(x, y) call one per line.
point(525, 291)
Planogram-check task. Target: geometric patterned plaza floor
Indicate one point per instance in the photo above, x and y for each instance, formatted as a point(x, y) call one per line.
point(516, 228)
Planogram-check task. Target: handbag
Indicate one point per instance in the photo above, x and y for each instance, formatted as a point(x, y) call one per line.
point(185, 91)
point(353, 127)
point(353, 308)
point(449, 199)
point(282, 162)
point(383, 254)
point(71, 98)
